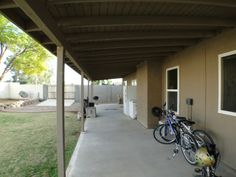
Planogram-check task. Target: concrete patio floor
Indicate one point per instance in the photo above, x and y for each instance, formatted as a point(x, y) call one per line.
point(116, 146)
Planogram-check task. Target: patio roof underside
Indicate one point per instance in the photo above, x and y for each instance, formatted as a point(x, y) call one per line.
point(109, 38)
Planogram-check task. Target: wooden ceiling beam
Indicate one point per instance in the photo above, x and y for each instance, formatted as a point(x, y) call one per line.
point(82, 29)
point(51, 48)
point(111, 71)
point(11, 16)
point(111, 76)
point(128, 51)
point(112, 36)
point(125, 61)
point(117, 64)
point(132, 44)
point(41, 38)
point(220, 3)
point(31, 27)
point(46, 41)
point(43, 19)
point(123, 57)
point(73, 22)
point(27, 26)
point(98, 75)
point(117, 52)
point(7, 4)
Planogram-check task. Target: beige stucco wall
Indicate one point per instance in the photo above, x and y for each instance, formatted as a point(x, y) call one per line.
point(129, 78)
point(154, 90)
point(199, 80)
point(198, 67)
point(149, 86)
point(191, 64)
point(142, 94)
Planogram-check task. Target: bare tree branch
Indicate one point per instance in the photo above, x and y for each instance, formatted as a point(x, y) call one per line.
point(3, 51)
point(10, 64)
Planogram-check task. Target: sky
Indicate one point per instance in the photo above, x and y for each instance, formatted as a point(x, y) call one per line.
point(71, 77)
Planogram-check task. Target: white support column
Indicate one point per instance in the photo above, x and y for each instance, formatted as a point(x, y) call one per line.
point(60, 113)
point(82, 101)
point(91, 90)
point(88, 91)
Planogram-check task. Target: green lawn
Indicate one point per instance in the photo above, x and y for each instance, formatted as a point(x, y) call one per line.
point(28, 143)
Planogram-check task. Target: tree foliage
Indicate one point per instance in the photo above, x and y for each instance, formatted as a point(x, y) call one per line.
point(21, 52)
point(103, 82)
point(43, 78)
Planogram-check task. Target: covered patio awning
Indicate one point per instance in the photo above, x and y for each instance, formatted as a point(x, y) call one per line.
point(104, 39)
point(109, 38)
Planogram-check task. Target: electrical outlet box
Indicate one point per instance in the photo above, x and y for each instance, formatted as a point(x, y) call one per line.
point(189, 101)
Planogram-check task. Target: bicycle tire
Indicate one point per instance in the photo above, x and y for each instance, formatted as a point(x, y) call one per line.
point(204, 172)
point(208, 174)
point(202, 138)
point(159, 134)
point(206, 140)
point(189, 147)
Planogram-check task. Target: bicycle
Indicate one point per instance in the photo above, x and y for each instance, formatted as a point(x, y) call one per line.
point(175, 130)
point(179, 130)
point(208, 159)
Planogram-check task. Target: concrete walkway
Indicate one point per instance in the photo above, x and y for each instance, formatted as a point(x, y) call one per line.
point(116, 146)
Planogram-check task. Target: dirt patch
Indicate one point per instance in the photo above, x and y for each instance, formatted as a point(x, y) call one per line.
point(7, 101)
point(6, 104)
point(34, 108)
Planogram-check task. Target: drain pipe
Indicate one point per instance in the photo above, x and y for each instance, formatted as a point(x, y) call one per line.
point(189, 102)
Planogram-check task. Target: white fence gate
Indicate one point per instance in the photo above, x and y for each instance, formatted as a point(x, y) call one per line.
point(69, 91)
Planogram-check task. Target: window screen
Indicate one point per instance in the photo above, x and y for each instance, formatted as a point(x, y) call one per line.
point(172, 89)
point(172, 79)
point(228, 80)
point(172, 101)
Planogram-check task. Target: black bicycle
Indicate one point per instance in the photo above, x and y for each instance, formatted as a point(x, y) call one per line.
point(179, 130)
point(175, 130)
point(208, 158)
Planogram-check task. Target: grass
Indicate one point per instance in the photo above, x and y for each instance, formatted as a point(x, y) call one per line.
point(28, 143)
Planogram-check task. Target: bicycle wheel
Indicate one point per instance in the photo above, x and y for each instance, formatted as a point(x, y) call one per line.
point(163, 134)
point(202, 138)
point(207, 172)
point(189, 147)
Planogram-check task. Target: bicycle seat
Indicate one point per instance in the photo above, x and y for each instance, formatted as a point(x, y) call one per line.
point(180, 118)
point(187, 122)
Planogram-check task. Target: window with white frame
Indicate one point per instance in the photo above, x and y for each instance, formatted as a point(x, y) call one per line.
point(227, 83)
point(134, 82)
point(172, 88)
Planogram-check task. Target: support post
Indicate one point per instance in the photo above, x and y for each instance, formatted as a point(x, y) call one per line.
point(88, 91)
point(91, 90)
point(82, 101)
point(60, 113)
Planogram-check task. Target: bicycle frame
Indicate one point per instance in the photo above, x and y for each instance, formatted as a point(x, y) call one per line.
point(170, 122)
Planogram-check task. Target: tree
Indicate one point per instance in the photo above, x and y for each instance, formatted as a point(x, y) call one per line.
point(21, 52)
point(103, 82)
point(43, 78)
point(17, 76)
